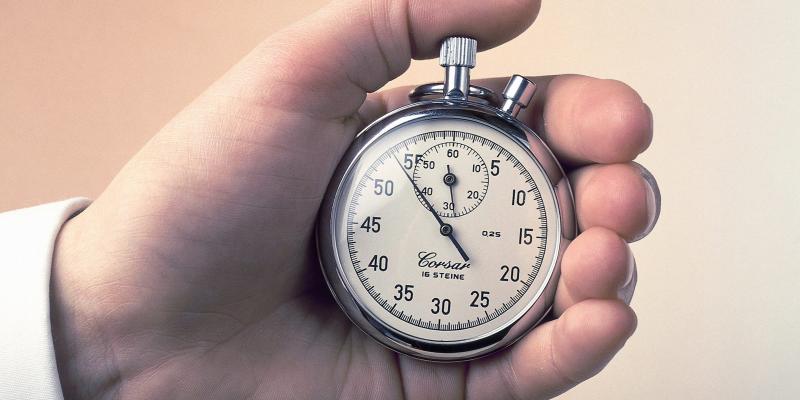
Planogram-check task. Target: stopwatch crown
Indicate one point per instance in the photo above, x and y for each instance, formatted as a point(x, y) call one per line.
point(458, 51)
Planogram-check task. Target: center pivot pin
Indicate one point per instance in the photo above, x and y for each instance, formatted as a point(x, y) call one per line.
point(446, 229)
point(449, 179)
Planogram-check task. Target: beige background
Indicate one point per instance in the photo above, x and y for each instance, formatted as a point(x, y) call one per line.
point(84, 84)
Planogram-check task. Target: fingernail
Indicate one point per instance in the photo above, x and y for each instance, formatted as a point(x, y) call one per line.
point(625, 293)
point(653, 201)
point(631, 267)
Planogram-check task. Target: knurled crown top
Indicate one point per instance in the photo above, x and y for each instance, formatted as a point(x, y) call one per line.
point(458, 51)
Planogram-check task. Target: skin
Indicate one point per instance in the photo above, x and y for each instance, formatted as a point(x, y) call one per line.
point(194, 274)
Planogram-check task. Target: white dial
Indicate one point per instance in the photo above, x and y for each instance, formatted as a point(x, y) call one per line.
point(446, 230)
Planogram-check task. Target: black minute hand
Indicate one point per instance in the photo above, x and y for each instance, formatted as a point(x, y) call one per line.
point(444, 229)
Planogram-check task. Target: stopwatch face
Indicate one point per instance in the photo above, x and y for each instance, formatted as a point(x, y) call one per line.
point(445, 230)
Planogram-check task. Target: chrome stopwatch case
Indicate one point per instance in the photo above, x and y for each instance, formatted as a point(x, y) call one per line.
point(441, 232)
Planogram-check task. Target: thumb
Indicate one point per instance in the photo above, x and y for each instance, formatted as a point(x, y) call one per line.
point(257, 149)
point(324, 65)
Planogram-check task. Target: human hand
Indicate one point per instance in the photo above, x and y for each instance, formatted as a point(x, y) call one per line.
point(194, 274)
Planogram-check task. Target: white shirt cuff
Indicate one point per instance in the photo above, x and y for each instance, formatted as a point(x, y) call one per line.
point(27, 358)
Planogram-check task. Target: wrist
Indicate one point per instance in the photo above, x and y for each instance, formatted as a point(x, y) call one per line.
point(83, 356)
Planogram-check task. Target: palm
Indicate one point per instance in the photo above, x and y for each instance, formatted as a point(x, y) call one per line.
point(264, 326)
point(250, 320)
point(194, 275)
point(306, 348)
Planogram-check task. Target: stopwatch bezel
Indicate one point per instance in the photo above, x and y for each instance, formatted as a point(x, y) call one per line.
point(332, 268)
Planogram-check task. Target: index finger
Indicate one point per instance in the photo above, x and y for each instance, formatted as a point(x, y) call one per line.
point(582, 119)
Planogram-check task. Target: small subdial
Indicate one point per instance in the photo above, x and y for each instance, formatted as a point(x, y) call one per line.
point(453, 178)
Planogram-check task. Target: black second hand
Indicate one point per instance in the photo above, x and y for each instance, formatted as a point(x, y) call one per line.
point(452, 197)
point(435, 215)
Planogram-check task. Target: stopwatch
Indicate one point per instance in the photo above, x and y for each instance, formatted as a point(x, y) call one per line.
point(441, 232)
